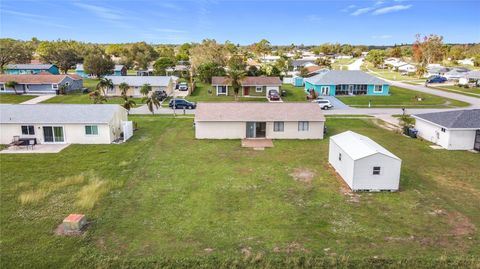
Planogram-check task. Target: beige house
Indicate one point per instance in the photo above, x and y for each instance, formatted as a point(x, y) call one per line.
point(251, 86)
point(158, 83)
point(63, 124)
point(259, 120)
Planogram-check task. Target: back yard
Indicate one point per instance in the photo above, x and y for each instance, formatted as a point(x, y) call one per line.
point(166, 199)
point(6, 98)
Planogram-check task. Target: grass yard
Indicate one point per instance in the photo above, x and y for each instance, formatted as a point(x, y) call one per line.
point(79, 98)
point(294, 94)
point(474, 92)
point(386, 73)
point(400, 97)
point(202, 94)
point(164, 199)
point(7, 98)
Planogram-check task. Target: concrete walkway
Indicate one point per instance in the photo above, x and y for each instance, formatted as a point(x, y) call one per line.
point(355, 65)
point(38, 99)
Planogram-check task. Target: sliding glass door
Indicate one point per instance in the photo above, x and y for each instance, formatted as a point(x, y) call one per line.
point(53, 134)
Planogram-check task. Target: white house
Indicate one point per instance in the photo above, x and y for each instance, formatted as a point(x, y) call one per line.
point(63, 124)
point(363, 164)
point(466, 61)
point(158, 83)
point(251, 86)
point(241, 120)
point(407, 68)
point(453, 130)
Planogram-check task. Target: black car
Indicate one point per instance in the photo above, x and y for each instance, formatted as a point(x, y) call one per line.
point(182, 103)
point(161, 95)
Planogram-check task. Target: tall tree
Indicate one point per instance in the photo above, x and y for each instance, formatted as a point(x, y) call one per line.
point(128, 103)
point(123, 88)
point(161, 65)
point(206, 71)
point(235, 76)
point(63, 53)
point(183, 53)
point(145, 89)
point(139, 55)
point(262, 48)
point(209, 51)
point(376, 57)
point(12, 84)
point(13, 51)
point(150, 99)
point(428, 49)
point(98, 64)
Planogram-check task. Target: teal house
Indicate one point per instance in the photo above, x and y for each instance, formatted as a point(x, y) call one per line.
point(342, 82)
point(118, 70)
point(29, 69)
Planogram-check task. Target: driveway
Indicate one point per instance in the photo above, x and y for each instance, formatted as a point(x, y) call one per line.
point(356, 65)
point(337, 104)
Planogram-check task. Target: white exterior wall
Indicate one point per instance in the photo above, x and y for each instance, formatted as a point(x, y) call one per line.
point(389, 178)
point(238, 130)
point(343, 167)
point(450, 139)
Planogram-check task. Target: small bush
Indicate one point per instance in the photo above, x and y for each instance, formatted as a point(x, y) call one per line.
point(91, 193)
point(34, 196)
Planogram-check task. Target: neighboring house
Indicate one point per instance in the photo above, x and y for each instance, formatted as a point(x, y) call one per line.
point(118, 70)
point(467, 61)
point(40, 83)
point(343, 82)
point(158, 83)
point(269, 59)
point(144, 73)
point(455, 73)
point(64, 124)
point(453, 130)
point(251, 86)
point(363, 164)
point(241, 120)
point(407, 68)
point(470, 77)
point(25, 69)
point(436, 70)
point(300, 63)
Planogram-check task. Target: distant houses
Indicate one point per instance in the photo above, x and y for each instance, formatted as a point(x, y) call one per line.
point(119, 70)
point(453, 130)
point(43, 83)
point(30, 69)
point(158, 83)
point(250, 86)
point(352, 82)
point(254, 120)
point(63, 124)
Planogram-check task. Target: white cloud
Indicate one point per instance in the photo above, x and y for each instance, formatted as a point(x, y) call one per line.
point(385, 10)
point(36, 19)
point(361, 11)
point(348, 8)
point(102, 12)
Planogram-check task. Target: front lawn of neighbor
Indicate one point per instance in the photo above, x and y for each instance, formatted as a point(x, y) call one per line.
point(474, 92)
point(79, 98)
point(164, 199)
point(400, 97)
point(294, 94)
point(387, 73)
point(205, 93)
point(7, 98)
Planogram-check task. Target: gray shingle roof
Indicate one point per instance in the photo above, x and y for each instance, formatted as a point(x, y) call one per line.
point(334, 77)
point(462, 119)
point(57, 113)
point(30, 66)
point(301, 62)
point(159, 81)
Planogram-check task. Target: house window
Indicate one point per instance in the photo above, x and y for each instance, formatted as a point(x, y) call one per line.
point(54, 86)
point(91, 130)
point(278, 126)
point(303, 126)
point(378, 89)
point(339, 156)
point(259, 89)
point(222, 90)
point(2, 88)
point(376, 170)
point(443, 130)
point(28, 130)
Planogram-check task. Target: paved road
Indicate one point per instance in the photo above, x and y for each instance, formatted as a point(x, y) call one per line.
point(356, 65)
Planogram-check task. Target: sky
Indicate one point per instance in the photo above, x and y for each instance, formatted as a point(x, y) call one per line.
point(308, 22)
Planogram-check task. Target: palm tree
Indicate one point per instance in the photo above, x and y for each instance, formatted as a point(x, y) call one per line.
point(11, 84)
point(104, 84)
point(151, 101)
point(97, 97)
point(235, 76)
point(124, 88)
point(146, 88)
point(128, 103)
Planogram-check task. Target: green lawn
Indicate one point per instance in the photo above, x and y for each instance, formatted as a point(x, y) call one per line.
point(293, 93)
point(388, 74)
point(78, 98)
point(474, 92)
point(400, 97)
point(90, 83)
point(168, 200)
point(202, 94)
point(7, 98)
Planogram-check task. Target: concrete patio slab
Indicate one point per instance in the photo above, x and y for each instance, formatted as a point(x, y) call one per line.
point(257, 143)
point(43, 148)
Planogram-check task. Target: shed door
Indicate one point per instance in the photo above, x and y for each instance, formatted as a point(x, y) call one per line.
point(476, 144)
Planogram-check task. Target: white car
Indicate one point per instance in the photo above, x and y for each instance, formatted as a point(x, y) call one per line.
point(323, 103)
point(183, 86)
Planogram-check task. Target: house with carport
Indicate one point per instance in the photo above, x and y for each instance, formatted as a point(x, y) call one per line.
point(158, 83)
point(364, 164)
point(250, 86)
point(453, 130)
point(64, 123)
point(259, 120)
point(346, 82)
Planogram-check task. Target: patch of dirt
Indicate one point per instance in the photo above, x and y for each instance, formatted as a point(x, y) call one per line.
point(291, 248)
point(352, 197)
point(208, 250)
point(303, 175)
point(246, 251)
point(461, 225)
